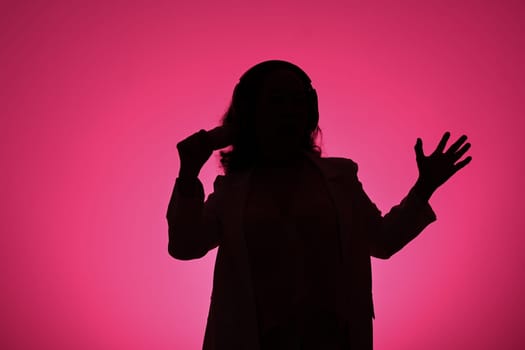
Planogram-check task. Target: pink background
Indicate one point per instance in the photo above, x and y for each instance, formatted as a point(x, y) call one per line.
point(95, 96)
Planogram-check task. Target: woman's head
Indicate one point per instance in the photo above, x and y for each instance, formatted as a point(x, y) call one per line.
point(274, 112)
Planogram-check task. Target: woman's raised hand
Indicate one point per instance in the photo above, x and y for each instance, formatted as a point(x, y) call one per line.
point(197, 148)
point(439, 166)
point(194, 151)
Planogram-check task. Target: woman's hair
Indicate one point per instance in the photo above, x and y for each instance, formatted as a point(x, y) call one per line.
point(241, 115)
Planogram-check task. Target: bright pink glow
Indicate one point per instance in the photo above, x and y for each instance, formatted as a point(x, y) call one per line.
point(94, 98)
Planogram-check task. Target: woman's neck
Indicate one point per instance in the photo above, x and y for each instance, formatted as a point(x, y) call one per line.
point(289, 159)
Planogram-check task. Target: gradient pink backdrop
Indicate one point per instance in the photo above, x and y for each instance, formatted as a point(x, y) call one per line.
point(94, 97)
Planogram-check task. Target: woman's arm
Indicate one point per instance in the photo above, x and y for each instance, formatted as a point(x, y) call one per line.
point(194, 227)
point(389, 233)
point(193, 224)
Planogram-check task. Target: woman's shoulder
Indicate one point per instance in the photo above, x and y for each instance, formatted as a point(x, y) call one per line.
point(340, 162)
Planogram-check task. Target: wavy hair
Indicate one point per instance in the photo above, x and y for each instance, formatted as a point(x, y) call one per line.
point(241, 115)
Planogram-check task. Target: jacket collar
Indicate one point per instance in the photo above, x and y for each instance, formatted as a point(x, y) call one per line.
point(328, 168)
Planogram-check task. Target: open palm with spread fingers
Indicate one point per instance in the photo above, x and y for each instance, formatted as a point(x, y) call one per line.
point(438, 167)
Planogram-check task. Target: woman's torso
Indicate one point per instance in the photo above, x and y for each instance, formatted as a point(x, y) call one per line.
point(291, 232)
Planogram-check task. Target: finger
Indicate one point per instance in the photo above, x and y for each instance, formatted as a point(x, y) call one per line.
point(461, 164)
point(219, 137)
point(461, 152)
point(443, 142)
point(419, 149)
point(456, 145)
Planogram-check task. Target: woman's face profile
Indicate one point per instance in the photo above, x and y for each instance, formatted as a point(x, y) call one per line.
point(281, 116)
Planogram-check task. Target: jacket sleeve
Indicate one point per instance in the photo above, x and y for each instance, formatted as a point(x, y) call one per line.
point(390, 233)
point(193, 224)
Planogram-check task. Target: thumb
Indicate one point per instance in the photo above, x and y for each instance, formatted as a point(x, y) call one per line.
point(419, 149)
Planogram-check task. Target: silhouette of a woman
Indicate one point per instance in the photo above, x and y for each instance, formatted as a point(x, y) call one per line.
point(295, 230)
